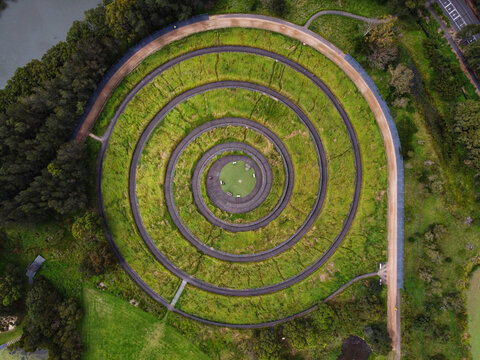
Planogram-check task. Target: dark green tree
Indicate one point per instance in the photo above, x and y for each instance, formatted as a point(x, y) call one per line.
point(468, 31)
point(467, 130)
point(278, 6)
point(10, 289)
point(472, 54)
point(51, 322)
point(267, 346)
point(378, 338)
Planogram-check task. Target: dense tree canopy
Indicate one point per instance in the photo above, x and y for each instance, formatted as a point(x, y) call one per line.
point(447, 77)
point(51, 322)
point(472, 53)
point(10, 289)
point(40, 174)
point(134, 19)
point(467, 129)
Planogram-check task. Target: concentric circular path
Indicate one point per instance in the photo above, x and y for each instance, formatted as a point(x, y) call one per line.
point(287, 29)
point(287, 163)
point(162, 258)
point(234, 205)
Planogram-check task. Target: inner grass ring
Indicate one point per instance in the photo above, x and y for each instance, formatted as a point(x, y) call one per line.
point(231, 203)
point(237, 177)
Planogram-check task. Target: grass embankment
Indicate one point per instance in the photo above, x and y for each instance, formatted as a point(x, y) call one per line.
point(363, 247)
point(436, 192)
point(300, 12)
point(113, 329)
point(10, 335)
point(473, 307)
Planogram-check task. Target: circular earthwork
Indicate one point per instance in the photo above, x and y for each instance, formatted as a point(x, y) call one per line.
point(205, 180)
point(170, 202)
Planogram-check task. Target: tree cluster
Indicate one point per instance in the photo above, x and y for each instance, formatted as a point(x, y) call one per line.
point(447, 78)
point(11, 289)
point(381, 45)
point(51, 322)
point(89, 235)
point(133, 19)
point(467, 130)
point(41, 174)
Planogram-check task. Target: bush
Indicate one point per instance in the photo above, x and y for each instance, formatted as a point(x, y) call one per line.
point(266, 345)
point(51, 322)
point(90, 236)
point(406, 131)
point(10, 289)
point(378, 338)
point(278, 6)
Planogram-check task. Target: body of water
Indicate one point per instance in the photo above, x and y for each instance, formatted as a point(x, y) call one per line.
point(28, 28)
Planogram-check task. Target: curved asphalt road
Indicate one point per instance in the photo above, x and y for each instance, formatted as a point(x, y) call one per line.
point(336, 56)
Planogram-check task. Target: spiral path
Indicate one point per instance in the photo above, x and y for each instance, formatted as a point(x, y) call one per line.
point(251, 201)
point(162, 258)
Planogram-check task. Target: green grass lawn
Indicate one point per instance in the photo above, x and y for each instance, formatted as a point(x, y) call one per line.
point(473, 307)
point(237, 179)
point(114, 329)
point(9, 335)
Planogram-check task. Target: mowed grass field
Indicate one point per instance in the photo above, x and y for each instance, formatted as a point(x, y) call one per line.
point(114, 329)
point(473, 307)
point(364, 246)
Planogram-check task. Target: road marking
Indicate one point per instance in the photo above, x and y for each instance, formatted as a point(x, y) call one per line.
point(454, 14)
point(177, 295)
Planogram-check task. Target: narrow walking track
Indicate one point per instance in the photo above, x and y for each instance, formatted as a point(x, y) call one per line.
point(387, 128)
point(343, 287)
point(346, 14)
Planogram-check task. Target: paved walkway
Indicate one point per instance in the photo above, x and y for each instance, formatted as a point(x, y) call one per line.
point(346, 14)
point(335, 55)
point(343, 287)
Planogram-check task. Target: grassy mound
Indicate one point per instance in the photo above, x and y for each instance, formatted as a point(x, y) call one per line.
point(362, 249)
